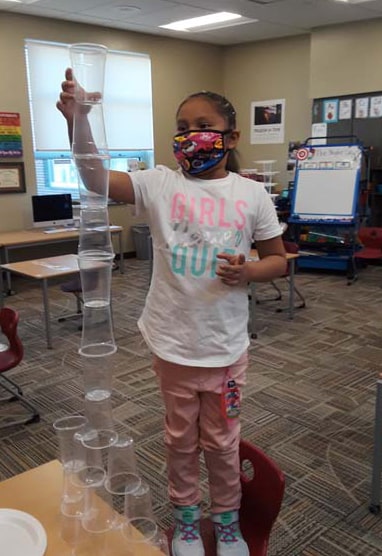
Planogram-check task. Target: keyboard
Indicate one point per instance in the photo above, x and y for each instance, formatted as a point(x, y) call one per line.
point(58, 230)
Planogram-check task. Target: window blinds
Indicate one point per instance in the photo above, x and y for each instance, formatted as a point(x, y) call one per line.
point(127, 104)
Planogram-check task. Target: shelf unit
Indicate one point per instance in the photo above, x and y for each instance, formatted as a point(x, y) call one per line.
point(267, 174)
point(329, 246)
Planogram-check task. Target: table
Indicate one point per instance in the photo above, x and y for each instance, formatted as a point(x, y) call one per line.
point(36, 237)
point(42, 270)
point(38, 493)
point(291, 260)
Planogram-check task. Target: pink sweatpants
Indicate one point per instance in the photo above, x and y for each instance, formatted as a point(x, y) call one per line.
point(194, 422)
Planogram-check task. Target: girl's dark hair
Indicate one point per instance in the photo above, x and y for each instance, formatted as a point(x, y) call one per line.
point(227, 111)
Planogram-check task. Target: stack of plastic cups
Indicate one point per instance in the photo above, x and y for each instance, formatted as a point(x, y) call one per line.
point(91, 156)
point(107, 476)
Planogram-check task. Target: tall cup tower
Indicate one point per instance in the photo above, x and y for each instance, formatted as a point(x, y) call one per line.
point(95, 251)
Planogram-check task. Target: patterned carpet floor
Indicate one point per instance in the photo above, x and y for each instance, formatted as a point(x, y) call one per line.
point(309, 402)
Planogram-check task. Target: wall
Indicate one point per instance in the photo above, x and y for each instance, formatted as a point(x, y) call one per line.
point(270, 70)
point(336, 60)
point(178, 68)
point(346, 59)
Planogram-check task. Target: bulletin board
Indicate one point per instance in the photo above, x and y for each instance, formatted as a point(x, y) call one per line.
point(326, 186)
point(355, 114)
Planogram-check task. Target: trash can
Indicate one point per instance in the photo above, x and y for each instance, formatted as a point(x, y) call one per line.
point(142, 241)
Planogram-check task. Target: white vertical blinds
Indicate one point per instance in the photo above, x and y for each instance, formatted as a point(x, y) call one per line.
point(127, 105)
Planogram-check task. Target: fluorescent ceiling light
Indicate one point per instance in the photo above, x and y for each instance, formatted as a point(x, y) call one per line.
point(202, 21)
point(353, 1)
point(20, 1)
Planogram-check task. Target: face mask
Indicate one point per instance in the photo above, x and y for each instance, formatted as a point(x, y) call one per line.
point(198, 151)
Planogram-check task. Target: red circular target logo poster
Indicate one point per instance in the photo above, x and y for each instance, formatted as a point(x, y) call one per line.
point(302, 154)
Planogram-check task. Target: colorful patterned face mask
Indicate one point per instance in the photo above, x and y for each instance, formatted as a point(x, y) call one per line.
point(197, 151)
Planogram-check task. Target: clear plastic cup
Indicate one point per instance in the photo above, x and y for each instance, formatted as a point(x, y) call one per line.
point(89, 146)
point(139, 516)
point(69, 431)
point(88, 62)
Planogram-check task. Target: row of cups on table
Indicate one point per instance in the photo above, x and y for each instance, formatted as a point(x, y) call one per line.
point(103, 494)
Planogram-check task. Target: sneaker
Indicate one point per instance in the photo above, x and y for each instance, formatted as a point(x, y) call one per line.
point(187, 540)
point(229, 539)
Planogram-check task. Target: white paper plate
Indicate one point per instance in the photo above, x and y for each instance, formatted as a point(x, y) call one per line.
point(21, 534)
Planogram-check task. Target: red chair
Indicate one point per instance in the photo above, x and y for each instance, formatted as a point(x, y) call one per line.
point(262, 495)
point(371, 240)
point(11, 354)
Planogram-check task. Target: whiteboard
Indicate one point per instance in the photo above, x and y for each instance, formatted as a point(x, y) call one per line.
point(325, 193)
point(326, 185)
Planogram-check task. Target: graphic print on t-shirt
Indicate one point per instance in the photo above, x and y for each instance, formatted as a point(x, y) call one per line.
point(202, 227)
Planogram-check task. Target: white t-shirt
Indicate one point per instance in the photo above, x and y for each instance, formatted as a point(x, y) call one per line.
point(190, 316)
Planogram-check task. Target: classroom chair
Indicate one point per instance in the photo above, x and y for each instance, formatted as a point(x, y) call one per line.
point(263, 485)
point(371, 241)
point(11, 354)
point(74, 287)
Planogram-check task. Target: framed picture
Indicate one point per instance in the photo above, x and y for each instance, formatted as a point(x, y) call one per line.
point(12, 177)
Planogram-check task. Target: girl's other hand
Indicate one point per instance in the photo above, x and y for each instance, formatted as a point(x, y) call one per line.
point(234, 272)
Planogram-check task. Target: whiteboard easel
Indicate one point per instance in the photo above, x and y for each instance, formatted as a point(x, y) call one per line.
point(326, 183)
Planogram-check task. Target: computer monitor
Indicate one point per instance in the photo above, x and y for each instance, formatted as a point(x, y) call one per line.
point(52, 210)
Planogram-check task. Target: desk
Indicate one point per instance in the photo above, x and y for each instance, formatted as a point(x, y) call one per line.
point(35, 237)
point(42, 269)
point(291, 260)
point(38, 492)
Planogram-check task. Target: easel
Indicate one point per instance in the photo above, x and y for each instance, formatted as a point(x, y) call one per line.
point(325, 202)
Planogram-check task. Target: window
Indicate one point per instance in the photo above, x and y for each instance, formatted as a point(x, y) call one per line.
point(127, 111)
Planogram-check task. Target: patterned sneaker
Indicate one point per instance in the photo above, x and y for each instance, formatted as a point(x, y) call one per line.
point(228, 535)
point(187, 540)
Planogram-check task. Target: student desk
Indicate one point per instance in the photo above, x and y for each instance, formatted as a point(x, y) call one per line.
point(35, 237)
point(42, 270)
point(38, 492)
point(291, 259)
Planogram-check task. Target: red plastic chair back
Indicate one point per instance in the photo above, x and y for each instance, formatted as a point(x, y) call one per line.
point(12, 356)
point(262, 495)
point(371, 237)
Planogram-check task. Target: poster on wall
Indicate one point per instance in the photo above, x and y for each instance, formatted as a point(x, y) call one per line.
point(319, 130)
point(345, 109)
point(376, 107)
point(10, 135)
point(267, 121)
point(361, 107)
point(330, 114)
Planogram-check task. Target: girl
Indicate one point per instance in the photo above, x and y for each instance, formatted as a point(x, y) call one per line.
point(203, 218)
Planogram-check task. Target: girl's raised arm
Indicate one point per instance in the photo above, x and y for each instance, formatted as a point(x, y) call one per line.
point(120, 186)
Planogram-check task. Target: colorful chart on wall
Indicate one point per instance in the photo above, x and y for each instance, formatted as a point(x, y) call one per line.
point(327, 182)
point(10, 135)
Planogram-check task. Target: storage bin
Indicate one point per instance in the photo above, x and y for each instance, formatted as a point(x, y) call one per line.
point(142, 241)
